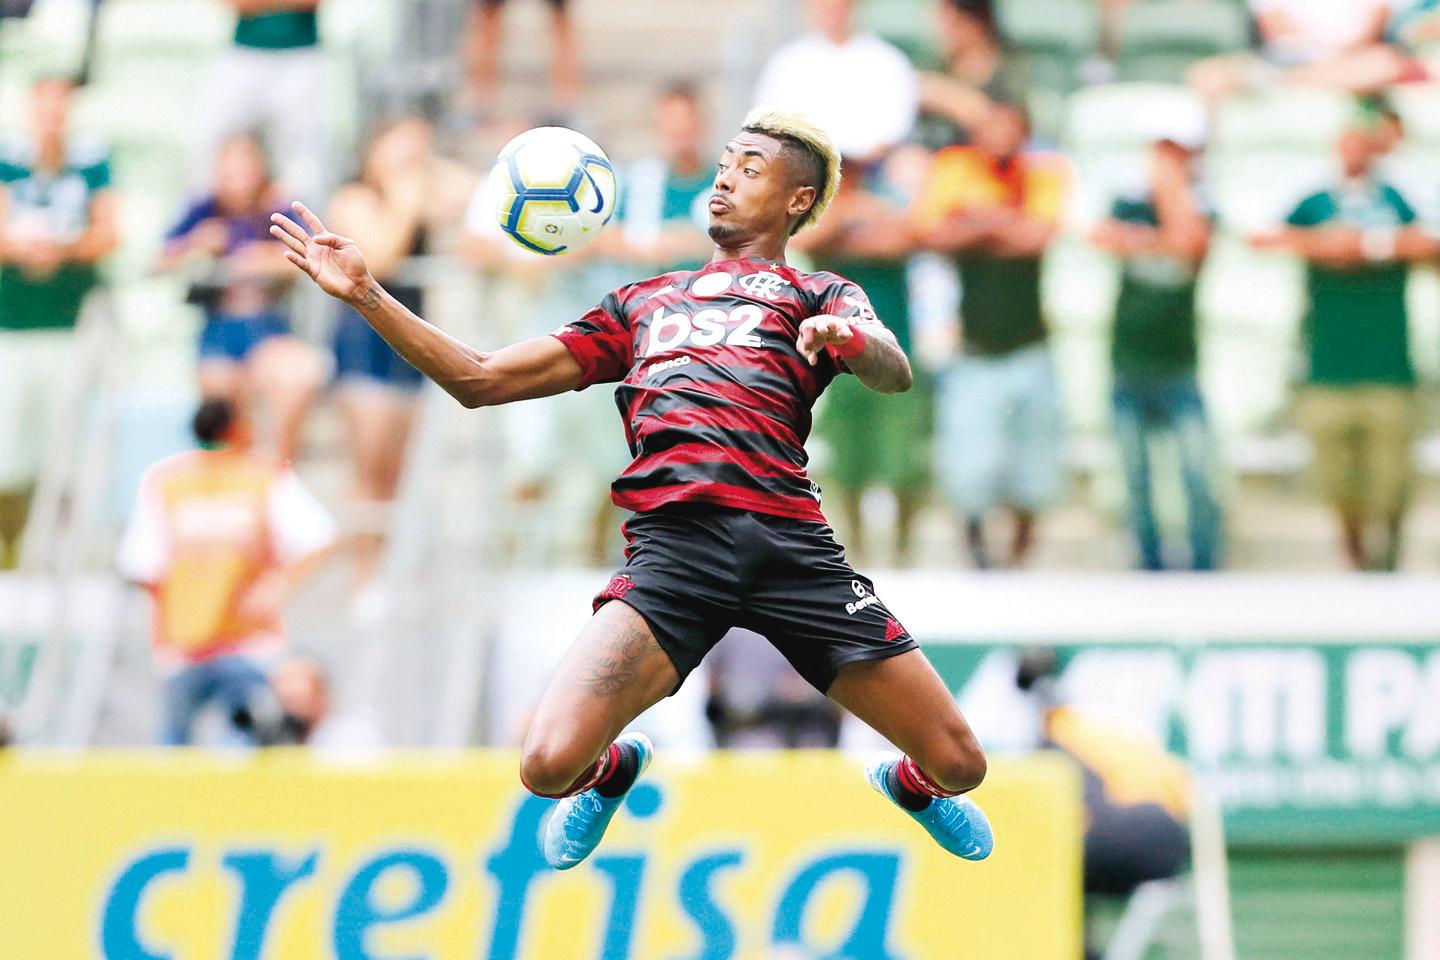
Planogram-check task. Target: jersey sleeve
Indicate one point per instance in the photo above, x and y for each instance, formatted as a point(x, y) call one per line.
point(844, 299)
point(144, 555)
point(97, 175)
point(600, 342)
point(192, 217)
point(1131, 209)
point(299, 524)
point(1312, 211)
point(1404, 212)
point(841, 298)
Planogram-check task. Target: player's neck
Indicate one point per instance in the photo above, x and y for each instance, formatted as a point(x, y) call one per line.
point(759, 249)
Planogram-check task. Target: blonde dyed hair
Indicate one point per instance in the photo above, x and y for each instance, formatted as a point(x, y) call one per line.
point(796, 129)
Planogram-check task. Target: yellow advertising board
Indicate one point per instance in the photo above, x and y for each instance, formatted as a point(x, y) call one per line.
point(190, 856)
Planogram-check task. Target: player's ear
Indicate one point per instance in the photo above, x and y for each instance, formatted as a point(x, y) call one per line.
point(802, 200)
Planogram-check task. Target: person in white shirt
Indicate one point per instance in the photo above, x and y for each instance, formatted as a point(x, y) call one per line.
point(1314, 42)
point(860, 89)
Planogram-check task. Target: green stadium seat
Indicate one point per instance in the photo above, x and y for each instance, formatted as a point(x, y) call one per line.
point(909, 24)
point(170, 28)
point(1052, 38)
point(1122, 116)
point(1160, 39)
point(1294, 117)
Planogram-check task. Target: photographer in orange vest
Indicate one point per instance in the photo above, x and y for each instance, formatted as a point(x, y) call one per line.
point(220, 537)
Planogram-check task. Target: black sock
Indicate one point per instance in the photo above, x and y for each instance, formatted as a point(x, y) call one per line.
point(909, 799)
point(622, 776)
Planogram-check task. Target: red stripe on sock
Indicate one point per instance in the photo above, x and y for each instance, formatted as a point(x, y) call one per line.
point(594, 775)
point(915, 780)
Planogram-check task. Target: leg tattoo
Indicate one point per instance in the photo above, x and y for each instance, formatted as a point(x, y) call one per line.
point(614, 664)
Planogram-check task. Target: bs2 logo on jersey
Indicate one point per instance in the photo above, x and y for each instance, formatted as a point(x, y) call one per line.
point(391, 888)
point(736, 327)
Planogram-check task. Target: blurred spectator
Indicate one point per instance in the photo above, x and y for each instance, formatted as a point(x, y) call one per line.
point(1303, 40)
point(220, 537)
point(483, 45)
point(855, 85)
point(1411, 55)
point(999, 432)
point(758, 701)
point(1295, 32)
point(1161, 236)
point(873, 439)
point(304, 713)
point(405, 196)
point(562, 454)
point(1415, 26)
point(662, 208)
point(1358, 239)
point(57, 221)
point(1410, 175)
point(246, 348)
point(974, 74)
point(271, 79)
point(1137, 796)
point(7, 735)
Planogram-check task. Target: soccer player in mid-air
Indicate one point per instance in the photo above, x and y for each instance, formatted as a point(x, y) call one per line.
point(718, 370)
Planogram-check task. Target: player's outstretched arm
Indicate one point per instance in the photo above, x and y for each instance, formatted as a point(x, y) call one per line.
point(540, 367)
point(869, 350)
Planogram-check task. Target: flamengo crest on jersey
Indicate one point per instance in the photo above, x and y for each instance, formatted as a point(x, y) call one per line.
point(715, 396)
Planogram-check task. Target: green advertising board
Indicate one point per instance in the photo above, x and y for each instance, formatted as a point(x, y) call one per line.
point(1301, 742)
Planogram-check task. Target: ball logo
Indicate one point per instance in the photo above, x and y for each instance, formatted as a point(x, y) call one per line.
point(766, 286)
point(858, 587)
point(710, 284)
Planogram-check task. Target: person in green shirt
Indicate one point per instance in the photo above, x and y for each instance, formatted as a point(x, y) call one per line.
point(57, 222)
point(872, 439)
point(662, 214)
point(1161, 236)
point(1358, 240)
point(270, 82)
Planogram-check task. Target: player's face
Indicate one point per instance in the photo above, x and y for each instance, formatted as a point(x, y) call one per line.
point(756, 191)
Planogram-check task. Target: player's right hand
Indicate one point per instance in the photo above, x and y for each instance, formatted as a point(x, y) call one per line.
point(332, 261)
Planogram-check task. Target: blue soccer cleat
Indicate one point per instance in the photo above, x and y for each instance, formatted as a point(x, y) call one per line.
point(956, 823)
point(577, 823)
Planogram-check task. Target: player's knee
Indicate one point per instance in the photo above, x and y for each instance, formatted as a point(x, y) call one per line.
point(548, 769)
point(961, 765)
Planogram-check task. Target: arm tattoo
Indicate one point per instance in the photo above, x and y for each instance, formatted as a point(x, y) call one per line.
point(882, 365)
point(614, 664)
point(369, 299)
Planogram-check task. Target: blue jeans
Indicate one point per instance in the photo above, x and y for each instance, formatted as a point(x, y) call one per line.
point(227, 682)
point(1171, 405)
point(999, 432)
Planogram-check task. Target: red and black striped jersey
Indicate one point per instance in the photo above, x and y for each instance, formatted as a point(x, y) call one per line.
point(715, 396)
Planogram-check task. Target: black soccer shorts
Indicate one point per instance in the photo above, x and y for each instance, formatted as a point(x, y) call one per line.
point(694, 571)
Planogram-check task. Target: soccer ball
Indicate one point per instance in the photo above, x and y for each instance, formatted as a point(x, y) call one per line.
point(552, 189)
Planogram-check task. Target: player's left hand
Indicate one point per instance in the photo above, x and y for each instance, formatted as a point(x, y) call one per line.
point(820, 332)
